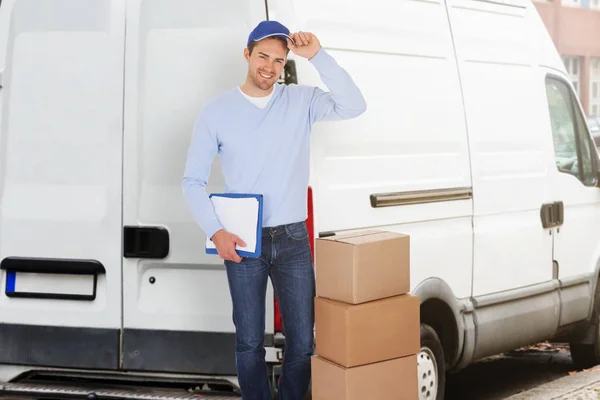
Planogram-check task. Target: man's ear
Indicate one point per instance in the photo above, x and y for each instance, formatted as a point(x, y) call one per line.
point(247, 54)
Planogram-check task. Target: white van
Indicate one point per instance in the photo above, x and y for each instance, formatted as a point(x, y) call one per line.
point(474, 143)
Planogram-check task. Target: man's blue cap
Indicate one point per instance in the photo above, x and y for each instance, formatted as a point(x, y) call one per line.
point(268, 29)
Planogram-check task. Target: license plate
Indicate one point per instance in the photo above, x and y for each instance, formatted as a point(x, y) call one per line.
point(50, 286)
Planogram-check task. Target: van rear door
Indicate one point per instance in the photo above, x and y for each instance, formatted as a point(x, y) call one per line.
point(61, 111)
point(177, 308)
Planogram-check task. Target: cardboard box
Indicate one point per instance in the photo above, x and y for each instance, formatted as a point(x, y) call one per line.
point(352, 335)
point(363, 266)
point(389, 380)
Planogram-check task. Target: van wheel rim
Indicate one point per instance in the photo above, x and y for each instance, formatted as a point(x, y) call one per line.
point(427, 367)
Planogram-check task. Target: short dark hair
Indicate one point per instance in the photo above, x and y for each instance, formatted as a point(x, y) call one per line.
point(282, 40)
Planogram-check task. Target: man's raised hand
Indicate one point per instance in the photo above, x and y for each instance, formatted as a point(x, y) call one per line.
point(305, 44)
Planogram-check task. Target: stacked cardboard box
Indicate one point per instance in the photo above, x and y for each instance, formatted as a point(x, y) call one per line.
point(367, 325)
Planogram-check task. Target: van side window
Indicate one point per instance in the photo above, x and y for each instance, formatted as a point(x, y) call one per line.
point(572, 145)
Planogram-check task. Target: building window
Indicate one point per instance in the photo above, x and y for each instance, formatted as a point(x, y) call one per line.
point(573, 66)
point(595, 4)
point(595, 86)
point(571, 3)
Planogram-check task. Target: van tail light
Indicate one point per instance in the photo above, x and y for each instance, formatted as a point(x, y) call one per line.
point(310, 223)
point(310, 226)
point(278, 323)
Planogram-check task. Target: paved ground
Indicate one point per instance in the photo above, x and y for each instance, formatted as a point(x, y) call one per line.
point(584, 385)
point(500, 377)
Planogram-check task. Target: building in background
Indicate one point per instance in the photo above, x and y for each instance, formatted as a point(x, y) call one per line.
point(575, 28)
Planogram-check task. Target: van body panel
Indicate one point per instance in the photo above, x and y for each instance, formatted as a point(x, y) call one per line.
point(412, 137)
point(60, 189)
point(171, 72)
point(580, 229)
point(575, 185)
point(515, 323)
point(576, 300)
point(496, 51)
point(180, 54)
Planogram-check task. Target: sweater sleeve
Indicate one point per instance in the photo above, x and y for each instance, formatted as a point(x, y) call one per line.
point(202, 150)
point(344, 101)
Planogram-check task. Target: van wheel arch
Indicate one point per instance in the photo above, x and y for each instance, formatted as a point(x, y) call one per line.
point(441, 311)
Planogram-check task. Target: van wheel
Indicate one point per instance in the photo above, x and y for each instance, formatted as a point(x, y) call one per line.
point(587, 355)
point(431, 366)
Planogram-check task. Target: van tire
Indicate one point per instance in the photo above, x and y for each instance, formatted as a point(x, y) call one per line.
point(431, 347)
point(587, 355)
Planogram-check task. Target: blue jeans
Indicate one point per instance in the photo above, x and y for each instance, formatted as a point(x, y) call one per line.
point(286, 259)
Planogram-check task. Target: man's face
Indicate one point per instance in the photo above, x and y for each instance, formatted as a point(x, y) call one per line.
point(266, 62)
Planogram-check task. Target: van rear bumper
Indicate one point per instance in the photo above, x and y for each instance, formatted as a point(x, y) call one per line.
point(59, 346)
point(143, 349)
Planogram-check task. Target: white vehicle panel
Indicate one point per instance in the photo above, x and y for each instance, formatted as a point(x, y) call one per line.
point(60, 188)
point(180, 54)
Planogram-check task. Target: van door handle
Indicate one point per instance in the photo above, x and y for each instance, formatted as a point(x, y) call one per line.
point(560, 213)
point(547, 215)
point(145, 242)
point(552, 214)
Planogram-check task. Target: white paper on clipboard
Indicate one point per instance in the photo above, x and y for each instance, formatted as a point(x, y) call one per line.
point(240, 216)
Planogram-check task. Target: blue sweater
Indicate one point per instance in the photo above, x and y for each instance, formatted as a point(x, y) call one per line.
point(266, 151)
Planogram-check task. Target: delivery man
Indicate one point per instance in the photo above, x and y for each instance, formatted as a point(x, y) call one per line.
point(261, 132)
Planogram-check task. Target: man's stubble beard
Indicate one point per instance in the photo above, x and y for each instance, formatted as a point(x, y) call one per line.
point(262, 85)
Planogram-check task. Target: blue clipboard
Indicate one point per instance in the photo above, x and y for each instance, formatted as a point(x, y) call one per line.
point(257, 228)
